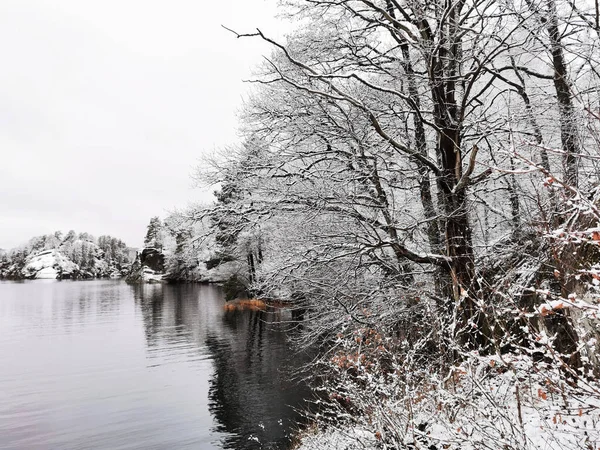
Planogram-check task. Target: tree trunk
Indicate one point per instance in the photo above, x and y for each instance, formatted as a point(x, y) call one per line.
point(568, 126)
point(472, 325)
point(443, 282)
point(251, 266)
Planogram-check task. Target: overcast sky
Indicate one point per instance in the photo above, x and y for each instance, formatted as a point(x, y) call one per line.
point(107, 105)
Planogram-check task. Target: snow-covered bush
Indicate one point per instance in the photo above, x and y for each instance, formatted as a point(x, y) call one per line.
point(379, 392)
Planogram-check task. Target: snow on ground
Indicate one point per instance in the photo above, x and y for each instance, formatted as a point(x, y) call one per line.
point(343, 439)
point(480, 409)
point(47, 273)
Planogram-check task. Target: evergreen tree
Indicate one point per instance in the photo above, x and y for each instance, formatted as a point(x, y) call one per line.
point(154, 235)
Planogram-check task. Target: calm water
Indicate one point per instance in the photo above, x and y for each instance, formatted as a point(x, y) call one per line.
point(106, 365)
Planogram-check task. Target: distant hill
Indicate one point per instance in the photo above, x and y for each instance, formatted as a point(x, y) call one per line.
point(78, 256)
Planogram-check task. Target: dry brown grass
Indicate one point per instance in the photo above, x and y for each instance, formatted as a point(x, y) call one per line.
point(247, 304)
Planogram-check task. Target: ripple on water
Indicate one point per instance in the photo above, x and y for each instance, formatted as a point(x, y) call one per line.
point(102, 364)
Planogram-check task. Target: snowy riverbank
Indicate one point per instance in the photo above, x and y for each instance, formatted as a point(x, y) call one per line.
point(496, 404)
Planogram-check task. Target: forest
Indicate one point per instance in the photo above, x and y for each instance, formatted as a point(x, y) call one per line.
point(420, 179)
point(71, 255)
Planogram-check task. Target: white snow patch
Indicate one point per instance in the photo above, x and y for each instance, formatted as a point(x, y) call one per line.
point(48, 264)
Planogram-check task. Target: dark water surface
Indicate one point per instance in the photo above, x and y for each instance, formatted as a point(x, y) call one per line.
point(106, 365)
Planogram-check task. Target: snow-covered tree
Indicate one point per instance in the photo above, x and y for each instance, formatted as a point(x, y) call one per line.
point(421, 177)
point(154, 234)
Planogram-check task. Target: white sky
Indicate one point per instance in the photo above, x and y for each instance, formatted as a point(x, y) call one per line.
point(107, 105)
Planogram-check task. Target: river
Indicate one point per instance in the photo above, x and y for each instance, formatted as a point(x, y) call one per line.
point(107, 365)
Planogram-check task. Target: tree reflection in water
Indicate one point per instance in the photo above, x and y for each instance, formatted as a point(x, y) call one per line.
point(252, 395)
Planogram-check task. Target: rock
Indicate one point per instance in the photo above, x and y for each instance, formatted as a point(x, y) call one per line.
point(49, 264)
point(149, 267)
point(153, 259)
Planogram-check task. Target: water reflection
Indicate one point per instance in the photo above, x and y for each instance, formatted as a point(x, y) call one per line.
point(252, 393)
point(101, 364)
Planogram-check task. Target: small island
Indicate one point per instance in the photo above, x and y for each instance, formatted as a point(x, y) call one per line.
point(70, 256)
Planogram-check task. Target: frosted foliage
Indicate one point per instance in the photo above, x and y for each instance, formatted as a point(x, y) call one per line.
point(419, 179)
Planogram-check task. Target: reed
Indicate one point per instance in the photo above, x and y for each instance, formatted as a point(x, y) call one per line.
point(248, 304)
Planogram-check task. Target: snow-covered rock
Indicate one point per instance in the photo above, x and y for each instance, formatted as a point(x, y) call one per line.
point(149, 267)
point(151, 276)
point(49, 264)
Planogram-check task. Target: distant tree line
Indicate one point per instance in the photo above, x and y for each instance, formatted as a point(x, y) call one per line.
point(94, 257)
